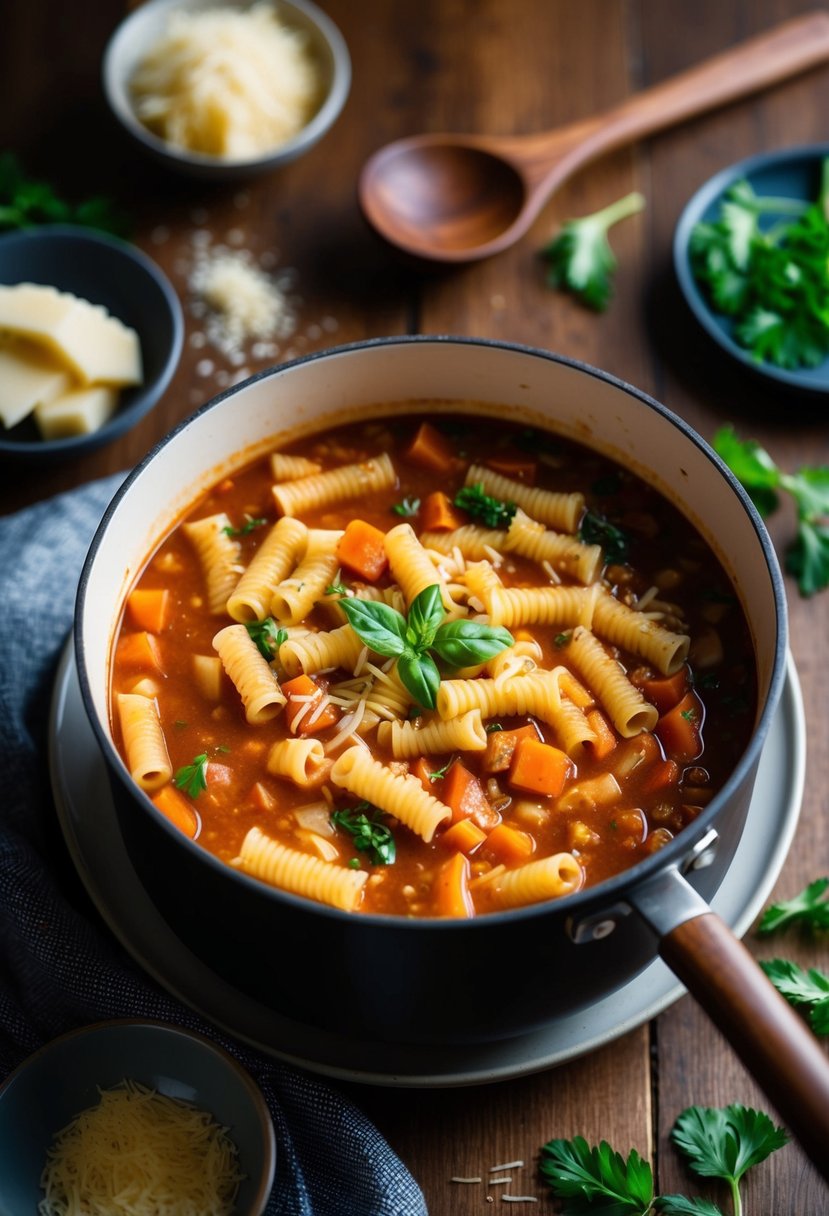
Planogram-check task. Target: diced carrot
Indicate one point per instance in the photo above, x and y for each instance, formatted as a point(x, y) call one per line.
point(139, 650)
point(605, 738)
point(632, 756)
point(521, 468)
point(421, 768)
point(463, 793)
point(431, 450)
point(509, 844)
point(177, 809)
point(680, 729)
point(575, 690)
point(664, 693)
point(659, 776)
point(362, 549)
point(539, 768)
point(463, 836)
point(219, 774)
point(501, 745)
point(298, 691)
point(149, 609)
point(437, 513)
point(452, 896)
point(261, 797)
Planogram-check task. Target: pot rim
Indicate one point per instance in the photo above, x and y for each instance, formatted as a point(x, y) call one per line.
point(611, 890)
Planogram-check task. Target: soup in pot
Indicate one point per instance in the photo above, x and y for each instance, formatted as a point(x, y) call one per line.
point(432, 666)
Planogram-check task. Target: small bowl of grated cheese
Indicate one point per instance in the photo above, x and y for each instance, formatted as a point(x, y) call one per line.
point(136, 1117)
point(229, 89)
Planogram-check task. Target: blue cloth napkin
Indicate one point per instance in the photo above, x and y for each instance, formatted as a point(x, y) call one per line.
point(59, 967)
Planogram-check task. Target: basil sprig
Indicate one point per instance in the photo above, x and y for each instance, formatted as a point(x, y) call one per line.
point(410, 639)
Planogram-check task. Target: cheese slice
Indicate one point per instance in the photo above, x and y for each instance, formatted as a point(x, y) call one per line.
point(93, 345)
point(78, 412)
point(29, 376)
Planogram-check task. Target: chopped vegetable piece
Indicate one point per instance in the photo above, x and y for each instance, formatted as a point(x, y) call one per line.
point(463, 793)
point(663, 774)
point(431, 450)
point(149, 610)
point(605, 740)
point(665, 692)
point(539, 768)
point(437, 513)
point(302, 713)
point(139, 650)
point(501, 745)
point(680, 730)
point(580, 259)
point(463, 836)
point(362, 549)
point(452, 896)
point(520, 468)
point(178, 810)
point(509, 844)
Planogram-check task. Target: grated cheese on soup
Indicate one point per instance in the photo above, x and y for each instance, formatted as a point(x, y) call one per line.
point(140, 1153)
point(226, 82)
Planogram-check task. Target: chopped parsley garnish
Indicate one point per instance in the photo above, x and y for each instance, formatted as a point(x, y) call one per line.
point(563, 639)
point(596, 529)
point(492, 727)
point(440, 773)
point(579, 258)
point(267, 635)
point(336, 589)
point(369, 834)
point(192, 778)
point(491, 511)
point(248, 526)
point(407, 508)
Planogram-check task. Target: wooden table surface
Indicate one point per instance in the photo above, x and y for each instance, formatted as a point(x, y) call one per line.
point(485, 65)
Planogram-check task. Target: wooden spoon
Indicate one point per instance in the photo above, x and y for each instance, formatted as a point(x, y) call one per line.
point(457, 198)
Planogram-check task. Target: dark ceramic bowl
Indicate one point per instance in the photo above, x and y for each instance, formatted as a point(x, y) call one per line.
point(790, 173)
point(399, 979)
point(116, 274)
point(61, 1079)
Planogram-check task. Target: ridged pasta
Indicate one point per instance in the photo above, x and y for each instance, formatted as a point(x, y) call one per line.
point(290, 468)
point(556, 510)
point(473, 542)
point(536, 693)
point(405, 739)
point(317, 651)
point(335, 485)
point(218, 555)
point(392, 596)
point(412, 566)
point(516, 660)
point(294, 598)
point(250, 673)
point(301, 760)
point(572, 727)
point(300, 873)
point(398, 794)
point(562, 607)
point(627, 709)
point(144, 742)
point(638, 633)
point(273, 561)
point(547, 878)
point(529, 538)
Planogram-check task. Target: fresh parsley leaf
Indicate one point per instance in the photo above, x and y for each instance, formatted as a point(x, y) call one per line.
point(807, 556)
point(409, 640)
point(407, 508)
point(724, 1142)
point(579, 258)
point(370, 835)
point(192, 778)
point(491, 511)
point(597, 1179)
point(267, 635)
point(596, 529)
point(26, 202)
point(336, 589)
point(680, 1205)
point(808, 908)
point(440, 773)
point(248, 526)
point(802, 988)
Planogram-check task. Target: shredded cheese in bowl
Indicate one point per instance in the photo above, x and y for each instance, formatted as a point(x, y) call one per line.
point(140, 1153)
point(229, 83)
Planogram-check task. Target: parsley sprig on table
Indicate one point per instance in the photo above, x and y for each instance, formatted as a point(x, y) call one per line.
point(411, 639)
point(719, 1142)
point(579, 257)
point(773, 281)
point(26, 202)
point(807, 556)
point(806, 990)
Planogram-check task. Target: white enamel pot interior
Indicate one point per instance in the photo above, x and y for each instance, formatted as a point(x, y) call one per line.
point(315, 963)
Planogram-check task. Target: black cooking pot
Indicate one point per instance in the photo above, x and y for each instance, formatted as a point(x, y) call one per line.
point(432, 981)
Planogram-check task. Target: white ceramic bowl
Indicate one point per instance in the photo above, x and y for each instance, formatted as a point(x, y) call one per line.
point(138, 32)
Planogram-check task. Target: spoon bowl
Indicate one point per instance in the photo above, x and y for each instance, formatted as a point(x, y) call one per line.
point(459, 198)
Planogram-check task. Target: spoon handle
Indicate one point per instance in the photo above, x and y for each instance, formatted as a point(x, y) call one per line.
point(784, 51)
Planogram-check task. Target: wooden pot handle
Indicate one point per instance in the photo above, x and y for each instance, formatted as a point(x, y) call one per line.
point(773, 1042)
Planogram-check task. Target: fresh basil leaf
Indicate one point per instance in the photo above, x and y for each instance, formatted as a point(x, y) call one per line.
point(425, 615)
point(381, 627)
point(420, 677)
point(464, 643)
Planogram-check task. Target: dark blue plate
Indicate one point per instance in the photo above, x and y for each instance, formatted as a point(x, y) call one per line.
point(107, 271)
point(788, 173)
